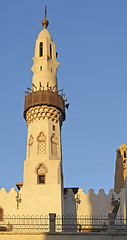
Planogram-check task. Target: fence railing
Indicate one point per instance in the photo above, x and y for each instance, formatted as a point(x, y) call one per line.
point(17, 223)
point(53, 223)
point(120, 224)
point(81, 224)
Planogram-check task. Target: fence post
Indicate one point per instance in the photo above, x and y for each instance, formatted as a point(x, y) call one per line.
point(111, 217)
point(52, 222)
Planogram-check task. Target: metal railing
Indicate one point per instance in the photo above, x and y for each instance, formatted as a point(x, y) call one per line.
point(82, 224)
point(120, 224)
point(53, 223)
point(24, 223)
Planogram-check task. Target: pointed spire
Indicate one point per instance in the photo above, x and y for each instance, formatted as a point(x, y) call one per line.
point(45, 22)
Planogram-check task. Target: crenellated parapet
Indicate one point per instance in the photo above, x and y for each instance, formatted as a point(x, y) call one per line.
point(4, 192)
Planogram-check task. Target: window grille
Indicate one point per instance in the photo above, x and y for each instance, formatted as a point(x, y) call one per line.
point(41, 179)
point(41, 171)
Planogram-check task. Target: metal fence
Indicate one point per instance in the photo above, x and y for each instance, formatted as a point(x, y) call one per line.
point(120, 224)
point(62, 224)
point(24, 223)
point(82, 224)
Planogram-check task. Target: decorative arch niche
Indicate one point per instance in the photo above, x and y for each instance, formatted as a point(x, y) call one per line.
point(30, 146)
point(41, 139)
point(54, 143)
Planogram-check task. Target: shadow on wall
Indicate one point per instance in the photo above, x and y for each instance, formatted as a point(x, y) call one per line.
point(95, 204)
point(70, 202)
point(77, 203)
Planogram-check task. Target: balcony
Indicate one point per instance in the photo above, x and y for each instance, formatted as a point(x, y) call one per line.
point(44, 97)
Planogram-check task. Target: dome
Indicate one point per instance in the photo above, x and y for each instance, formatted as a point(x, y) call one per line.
point(123, 146)
point(44, 33)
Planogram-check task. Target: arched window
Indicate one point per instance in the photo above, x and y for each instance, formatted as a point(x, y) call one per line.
point(41, 171)
point(41, 148)
point(124, 154)
point(41, 49)
point(50, 51)
point(30, 146)
point(54, 143)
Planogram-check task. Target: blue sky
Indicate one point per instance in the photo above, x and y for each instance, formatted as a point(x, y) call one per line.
point(91, 38)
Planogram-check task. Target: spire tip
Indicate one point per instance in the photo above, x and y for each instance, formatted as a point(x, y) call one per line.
point(45, 22)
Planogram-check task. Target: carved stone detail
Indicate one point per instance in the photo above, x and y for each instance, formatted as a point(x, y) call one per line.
point(31, 140)
point(42, 112)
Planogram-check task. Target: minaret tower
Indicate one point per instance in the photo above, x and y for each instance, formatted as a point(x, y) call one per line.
point(44, 112)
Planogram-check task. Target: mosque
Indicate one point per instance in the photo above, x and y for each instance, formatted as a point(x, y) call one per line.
point(42, 191)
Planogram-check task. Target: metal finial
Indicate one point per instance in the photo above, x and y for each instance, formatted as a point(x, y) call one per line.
point(45, 11)
point(45, 22)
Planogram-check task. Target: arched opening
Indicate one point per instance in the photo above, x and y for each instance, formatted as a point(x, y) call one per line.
point(50, 51)
point(41, 49)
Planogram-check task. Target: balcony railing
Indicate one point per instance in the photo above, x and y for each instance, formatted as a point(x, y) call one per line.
point(44, 97)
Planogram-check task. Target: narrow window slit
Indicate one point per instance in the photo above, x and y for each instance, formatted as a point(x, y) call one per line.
point(41, 49)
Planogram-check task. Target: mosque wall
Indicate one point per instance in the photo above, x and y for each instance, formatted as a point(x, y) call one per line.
point(8, 202)
point(81, 204)
point(75, 203)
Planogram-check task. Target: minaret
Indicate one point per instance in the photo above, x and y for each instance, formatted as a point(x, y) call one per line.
point(44, 112)
point(121, 168)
